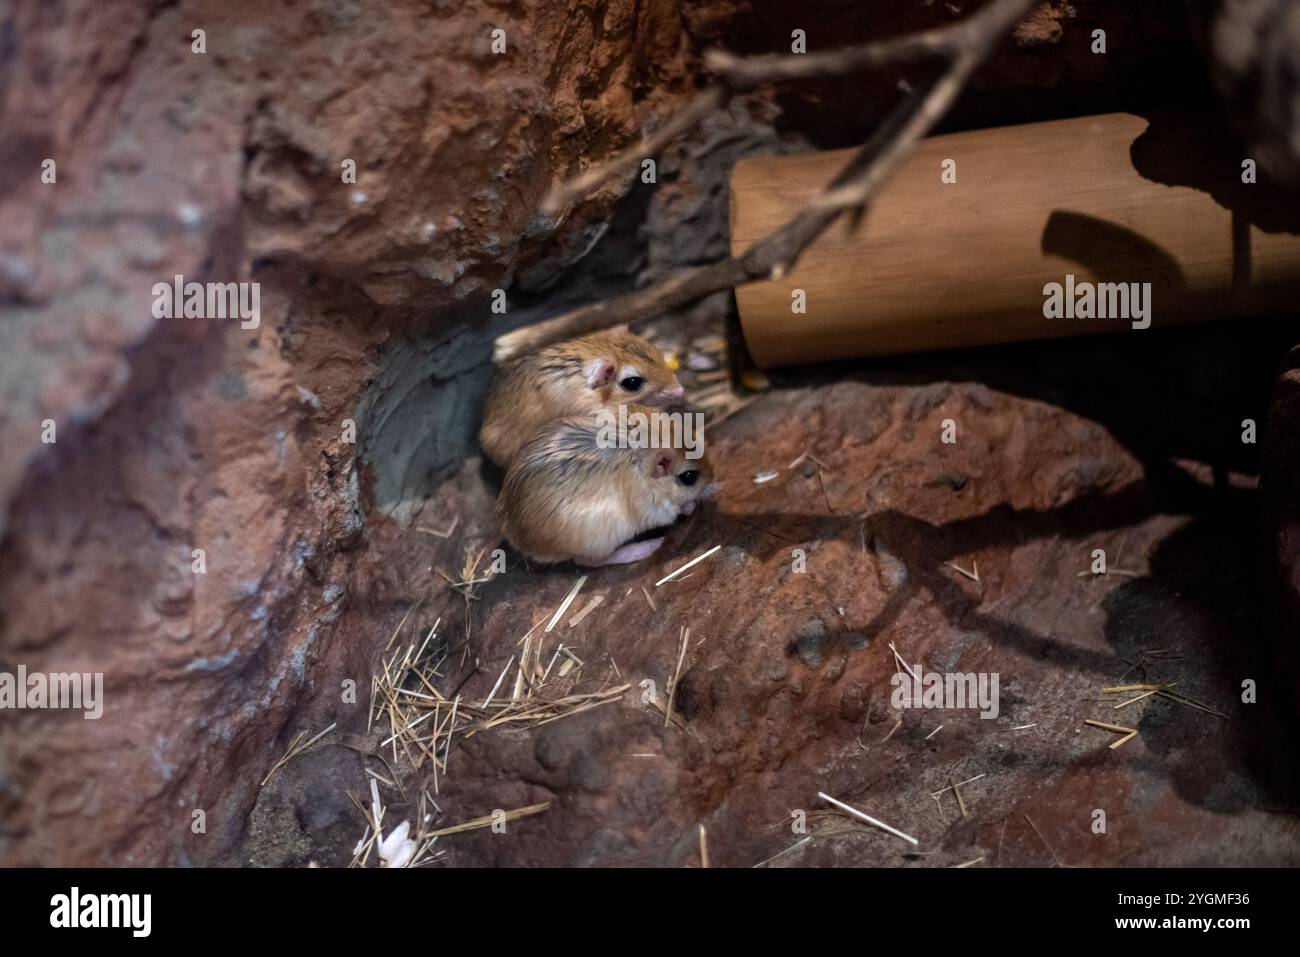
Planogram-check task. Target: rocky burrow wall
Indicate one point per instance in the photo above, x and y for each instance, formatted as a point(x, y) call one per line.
point(131, 441)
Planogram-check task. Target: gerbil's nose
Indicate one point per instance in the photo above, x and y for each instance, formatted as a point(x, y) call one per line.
point(675, 391)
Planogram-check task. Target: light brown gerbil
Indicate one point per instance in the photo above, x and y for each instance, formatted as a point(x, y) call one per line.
point(603, 370)
point(567, 497)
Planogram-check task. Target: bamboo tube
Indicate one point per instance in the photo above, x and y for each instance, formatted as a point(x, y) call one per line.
point(935, 265)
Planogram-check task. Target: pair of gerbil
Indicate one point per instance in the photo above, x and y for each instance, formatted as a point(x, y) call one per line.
point(569, 492)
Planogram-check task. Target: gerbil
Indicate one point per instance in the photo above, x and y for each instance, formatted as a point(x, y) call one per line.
point(566, 497)
point(602, 370)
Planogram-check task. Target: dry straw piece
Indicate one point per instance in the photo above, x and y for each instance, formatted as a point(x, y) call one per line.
point(296, 747)
point(672, 687)
point(423, 725)
point(1129, 733)
point(868, 818)
point(691, 564)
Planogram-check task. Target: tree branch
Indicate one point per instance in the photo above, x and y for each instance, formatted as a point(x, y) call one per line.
point(964, 45)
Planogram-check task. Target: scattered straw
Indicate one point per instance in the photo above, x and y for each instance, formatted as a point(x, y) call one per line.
point(694, 561)
point(487, 820)
point(595, 602)
point(296, 747)
point(1162, 690)
point(469, 581)
point(1145, 694)
point(704, 848)
point(1056, 859)
point(1191, 703)
point(868, 818)
point(379, 777)
point(825, 495)
point(1128, 733)
point(569, 661)
point(958, 784)
point(672, 687)
point(900, 663)
point(897, 724)
point(398, 629)
point(564, 605)
point(808, 456)
point(521, 680)
point(493, 693)
point(423, 724)
point(973, 574)
point(1109, 727)
point(961, 803)
point(795, 845)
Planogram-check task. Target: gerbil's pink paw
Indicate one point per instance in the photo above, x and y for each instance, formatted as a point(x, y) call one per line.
point(631, 552)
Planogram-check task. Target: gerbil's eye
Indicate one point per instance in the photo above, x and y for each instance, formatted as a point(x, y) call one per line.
point(633, 383)
point(689, 477)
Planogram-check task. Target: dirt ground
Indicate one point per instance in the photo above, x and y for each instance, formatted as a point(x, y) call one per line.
point(973, 556)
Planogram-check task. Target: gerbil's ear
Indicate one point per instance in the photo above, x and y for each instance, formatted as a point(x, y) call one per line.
point(620, 329)
point(663, 464)
point(600, 372)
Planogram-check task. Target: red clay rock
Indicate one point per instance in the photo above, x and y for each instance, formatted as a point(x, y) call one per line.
point(175, 435)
